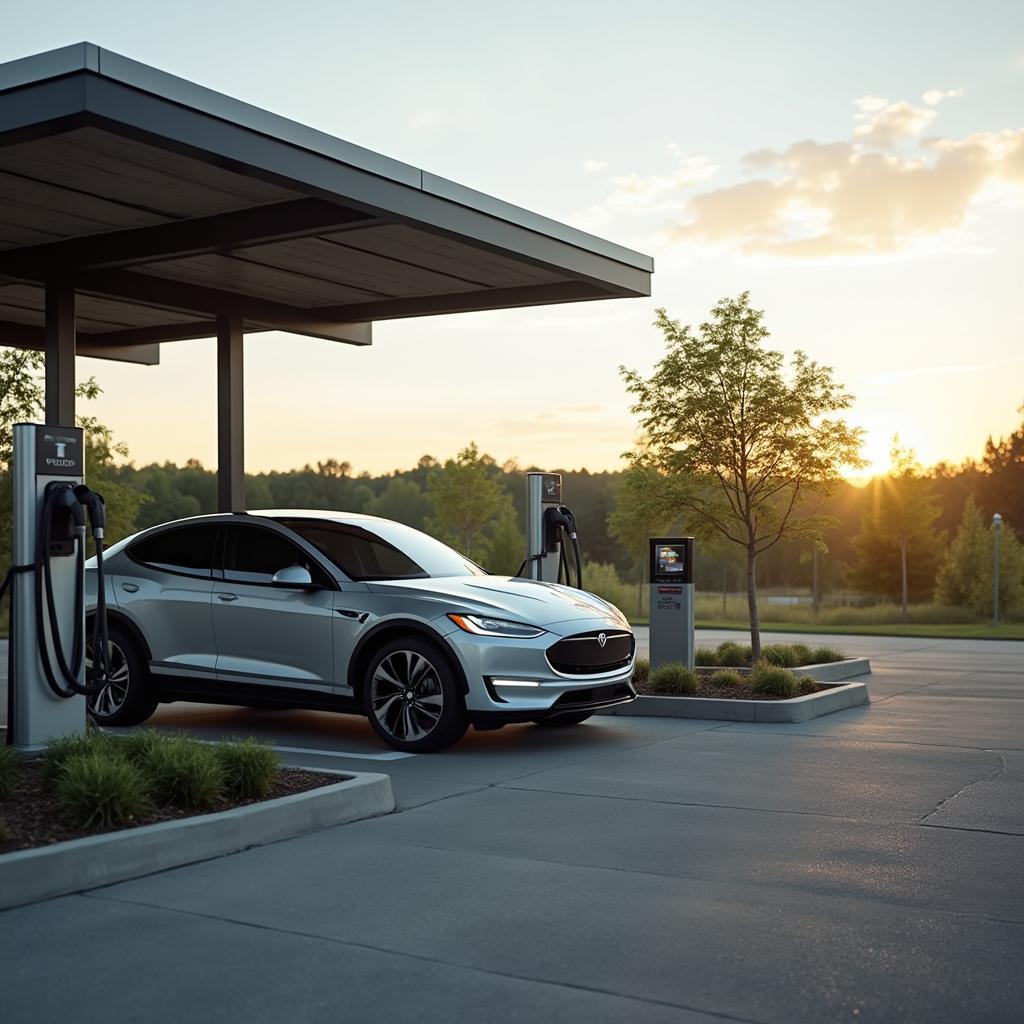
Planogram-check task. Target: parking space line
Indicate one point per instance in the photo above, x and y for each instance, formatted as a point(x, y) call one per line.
point(391, 755)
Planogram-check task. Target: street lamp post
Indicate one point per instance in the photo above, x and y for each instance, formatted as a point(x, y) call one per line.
point(997, 522)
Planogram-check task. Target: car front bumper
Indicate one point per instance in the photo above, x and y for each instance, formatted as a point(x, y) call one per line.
point(513, 680)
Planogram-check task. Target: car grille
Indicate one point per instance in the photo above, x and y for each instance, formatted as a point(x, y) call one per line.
point(594, 695)
point(583, 654)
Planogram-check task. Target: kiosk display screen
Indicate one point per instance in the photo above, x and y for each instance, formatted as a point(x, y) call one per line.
point(672, 560)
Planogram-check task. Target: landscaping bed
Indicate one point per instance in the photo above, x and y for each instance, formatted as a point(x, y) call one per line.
point(34, 815)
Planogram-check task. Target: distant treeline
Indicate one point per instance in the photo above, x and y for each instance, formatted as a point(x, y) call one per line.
point(996, 483)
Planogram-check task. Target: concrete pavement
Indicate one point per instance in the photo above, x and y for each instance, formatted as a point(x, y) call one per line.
point(866, 865)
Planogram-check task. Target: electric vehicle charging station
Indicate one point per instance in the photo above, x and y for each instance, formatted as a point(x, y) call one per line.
point(551, 533)
point(671, 600)
point(47, 668)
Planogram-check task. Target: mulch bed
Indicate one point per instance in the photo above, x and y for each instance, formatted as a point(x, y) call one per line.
point(706, 689)
point(36, 817)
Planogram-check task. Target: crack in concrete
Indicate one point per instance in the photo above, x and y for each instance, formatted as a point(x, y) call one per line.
point(1000, 769)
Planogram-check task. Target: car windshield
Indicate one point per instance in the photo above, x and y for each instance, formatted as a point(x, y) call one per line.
point(388, 551)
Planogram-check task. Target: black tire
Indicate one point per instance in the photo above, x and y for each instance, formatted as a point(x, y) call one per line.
point(563, 720)
point(133, 702)
point(412, 696)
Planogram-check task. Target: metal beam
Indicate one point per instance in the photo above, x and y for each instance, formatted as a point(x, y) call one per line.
point(59, 346)
point(148, 354)
point(230, 416)
point(463, 302)
point(193, 298)
point(222, 232)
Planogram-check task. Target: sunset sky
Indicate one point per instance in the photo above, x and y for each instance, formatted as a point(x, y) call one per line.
point(858, 167)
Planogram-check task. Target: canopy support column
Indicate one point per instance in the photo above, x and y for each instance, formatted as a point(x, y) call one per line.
point(230, 416)
point(59, 348)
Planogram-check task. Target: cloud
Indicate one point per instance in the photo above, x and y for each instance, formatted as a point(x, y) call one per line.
point(594, 166)
point(881, 191)
point(651, 193)
point(933, 97)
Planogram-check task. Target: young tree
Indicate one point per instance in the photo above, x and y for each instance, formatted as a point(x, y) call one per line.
point(898, 546)
point(640, 513)
point(965, 574)
point(749, 450)
point(467, 498)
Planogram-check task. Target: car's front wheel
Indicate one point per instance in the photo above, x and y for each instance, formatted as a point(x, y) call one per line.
point(412, 696)
point(126, 698)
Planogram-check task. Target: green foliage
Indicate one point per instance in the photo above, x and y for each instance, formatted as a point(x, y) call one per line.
point(138, 746)
point(824, 655)
point(803, 654)
point(706, 656)
point(641, 671)
point(807, 685)
point(61, 748)
point(771, 679)
point(99, 790)
point(740, 444)
point(898, 548)
point(727, 677)
point(782, 655)
point(185, 773)
point(732, 655)
point(673, 679)
point(604, 581)
point(250, 767)
point(10, 767)
point(468, 500)
point(402, 500)
point(965, 575)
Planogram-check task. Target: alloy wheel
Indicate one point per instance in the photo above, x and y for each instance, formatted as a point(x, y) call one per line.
point(114, 692)
point(406, 695)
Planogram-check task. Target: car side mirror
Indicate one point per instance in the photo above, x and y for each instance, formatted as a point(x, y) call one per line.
point(292, 576)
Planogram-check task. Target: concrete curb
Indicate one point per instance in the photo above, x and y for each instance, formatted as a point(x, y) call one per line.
point(797, 709)
point(28, 876)
point(830, 671)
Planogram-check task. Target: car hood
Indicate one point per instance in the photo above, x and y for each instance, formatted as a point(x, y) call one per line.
point(530, 601)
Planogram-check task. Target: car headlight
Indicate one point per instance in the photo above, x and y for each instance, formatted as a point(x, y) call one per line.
point(482, 625)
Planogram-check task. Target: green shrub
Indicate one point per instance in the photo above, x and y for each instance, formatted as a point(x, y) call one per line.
point(803, 654)
point(137, 747)
point(185, 773)
point(10, 765)
point(774, 680)
point(706, 657)
point(732, 655)
point(641, 670)
point(822, 655)
point(61, 748)
point(782, 655)
point(808, 685)
point(250, 768)
point(101, 790)
point(673, 679)
point(726, 677)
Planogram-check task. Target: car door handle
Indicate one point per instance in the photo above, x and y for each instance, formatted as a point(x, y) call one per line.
point(349, 614)
point(228, 597)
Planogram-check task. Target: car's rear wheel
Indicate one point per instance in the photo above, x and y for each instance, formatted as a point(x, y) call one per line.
point(562, 720)
point(127, 697)
point(412, 696)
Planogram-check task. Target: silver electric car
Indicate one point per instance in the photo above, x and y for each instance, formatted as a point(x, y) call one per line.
point(349, 613)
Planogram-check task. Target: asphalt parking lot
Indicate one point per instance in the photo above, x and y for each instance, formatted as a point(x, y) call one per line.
point(862, 866)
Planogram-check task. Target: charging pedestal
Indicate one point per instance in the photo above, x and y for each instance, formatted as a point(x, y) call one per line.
point(671, 604)
point(42, 455)
point(543, 548)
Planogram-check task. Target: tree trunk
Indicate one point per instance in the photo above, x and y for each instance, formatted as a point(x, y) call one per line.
point(755, 619)
point(903, 573)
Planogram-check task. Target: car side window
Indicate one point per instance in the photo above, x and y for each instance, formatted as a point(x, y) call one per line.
point(253, 555)
point(182, 549)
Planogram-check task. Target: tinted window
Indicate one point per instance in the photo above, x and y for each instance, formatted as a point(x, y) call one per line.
point(184, 549)
point(390, 551)
point(252, 555)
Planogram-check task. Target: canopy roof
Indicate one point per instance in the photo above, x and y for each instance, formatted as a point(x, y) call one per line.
point(167, 205)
